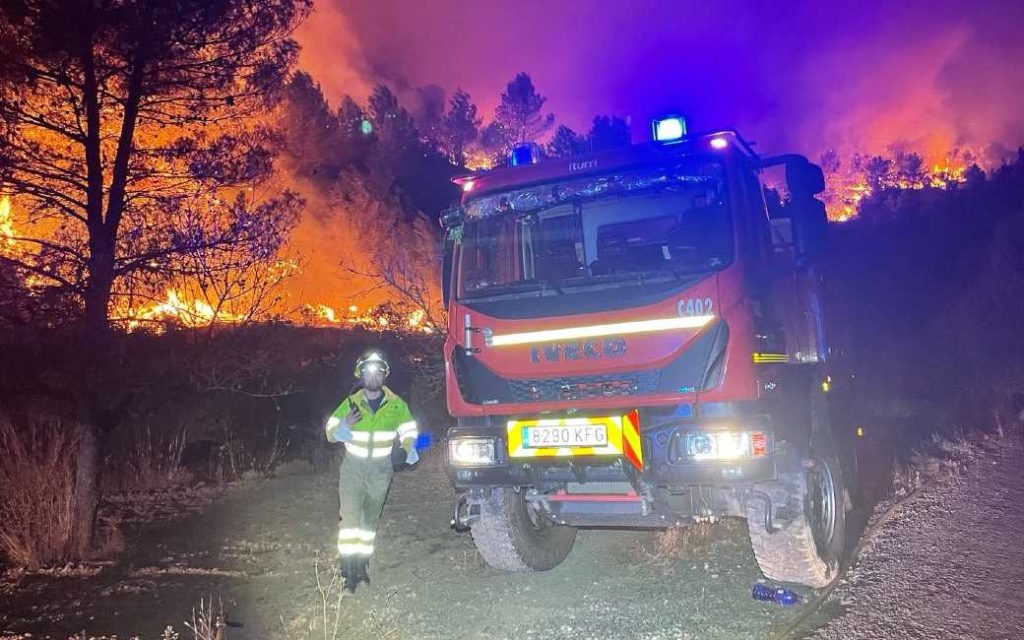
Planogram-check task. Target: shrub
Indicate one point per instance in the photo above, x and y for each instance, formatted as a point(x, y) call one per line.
point(37, 501)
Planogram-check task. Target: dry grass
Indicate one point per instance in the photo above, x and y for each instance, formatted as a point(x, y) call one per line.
point(37, 499)
point(938, 455)
point(385, 623)
point(207, 621)
point(153, 463)
point(691, 541)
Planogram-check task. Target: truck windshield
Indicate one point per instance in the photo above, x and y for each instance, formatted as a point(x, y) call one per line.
point(664, 223)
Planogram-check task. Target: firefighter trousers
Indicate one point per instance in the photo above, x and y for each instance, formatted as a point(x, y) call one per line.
point(363, 485)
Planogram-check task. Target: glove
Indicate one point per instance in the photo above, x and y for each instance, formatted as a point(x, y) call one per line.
point(412, 458)
point(338, 431)
point(343, 434)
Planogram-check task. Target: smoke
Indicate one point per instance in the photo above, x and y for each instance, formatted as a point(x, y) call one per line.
point(332, 54)
point(953, 88)
point(798, 76)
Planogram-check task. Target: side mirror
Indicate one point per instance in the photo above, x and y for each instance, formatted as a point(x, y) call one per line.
point(809, 222)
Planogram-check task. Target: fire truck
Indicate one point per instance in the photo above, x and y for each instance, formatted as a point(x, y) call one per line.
point(635, 339)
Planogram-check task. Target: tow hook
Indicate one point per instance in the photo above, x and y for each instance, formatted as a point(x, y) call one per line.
point(464, 514)
point(769, 526)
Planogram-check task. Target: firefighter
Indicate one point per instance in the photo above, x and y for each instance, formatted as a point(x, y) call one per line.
point(379, 434)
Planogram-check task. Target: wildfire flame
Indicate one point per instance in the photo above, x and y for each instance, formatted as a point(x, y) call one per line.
point(175, 309)
point(847, 186)
point(6, 224)
point(377, 319)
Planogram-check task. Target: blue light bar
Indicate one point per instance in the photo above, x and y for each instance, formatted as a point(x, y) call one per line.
point(524, 153)
point(669, 129)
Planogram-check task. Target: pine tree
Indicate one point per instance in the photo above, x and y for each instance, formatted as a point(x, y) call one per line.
point(460, 127)
point(608, 132)
point(519, 116)
point(565, 143)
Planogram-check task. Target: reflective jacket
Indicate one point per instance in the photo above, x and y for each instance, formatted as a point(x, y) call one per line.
point(375, 433)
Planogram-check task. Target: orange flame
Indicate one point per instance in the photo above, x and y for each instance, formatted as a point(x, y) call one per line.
point(7, 240)
point(847, 189)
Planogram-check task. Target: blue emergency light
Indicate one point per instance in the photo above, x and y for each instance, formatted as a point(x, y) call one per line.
point(423, 441)
point(669, 129)
point(524, 153)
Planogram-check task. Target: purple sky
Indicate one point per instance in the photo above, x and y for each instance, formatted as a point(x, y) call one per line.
point(801, 76)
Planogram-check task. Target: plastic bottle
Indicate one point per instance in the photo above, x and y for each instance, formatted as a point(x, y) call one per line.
point(777, 595)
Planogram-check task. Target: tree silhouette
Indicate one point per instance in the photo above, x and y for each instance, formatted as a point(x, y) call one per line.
point(608, 132)
point(519, 116)
point(565, 143)
point(132, 145)
point(130, 129)
point(459, 128)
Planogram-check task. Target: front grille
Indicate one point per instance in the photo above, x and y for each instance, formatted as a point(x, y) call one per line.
point(603, 386)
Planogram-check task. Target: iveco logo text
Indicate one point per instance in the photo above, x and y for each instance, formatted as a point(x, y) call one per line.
point(589, 350)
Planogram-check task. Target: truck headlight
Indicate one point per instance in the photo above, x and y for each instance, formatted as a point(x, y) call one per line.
point(472, 451)
point(725, 445)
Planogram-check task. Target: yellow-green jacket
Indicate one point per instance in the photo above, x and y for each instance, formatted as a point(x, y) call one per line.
point(374, 435)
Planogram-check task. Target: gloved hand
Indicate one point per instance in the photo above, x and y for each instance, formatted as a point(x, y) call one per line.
point(338, 431)
point(343, 434)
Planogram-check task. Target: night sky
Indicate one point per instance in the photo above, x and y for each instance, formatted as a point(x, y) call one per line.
point(802, 76)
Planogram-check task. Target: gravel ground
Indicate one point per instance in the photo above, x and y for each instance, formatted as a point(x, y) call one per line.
point(948, 564)
point(256, 551)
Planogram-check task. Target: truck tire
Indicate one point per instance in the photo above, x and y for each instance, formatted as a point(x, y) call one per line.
point(511, 536)
point(807, 546)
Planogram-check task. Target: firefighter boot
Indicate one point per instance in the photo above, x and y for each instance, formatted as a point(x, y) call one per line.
point(362, 568)
point(349, 574)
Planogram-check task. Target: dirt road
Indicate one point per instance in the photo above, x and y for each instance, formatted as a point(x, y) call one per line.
point(256, 550)
point(949, 564)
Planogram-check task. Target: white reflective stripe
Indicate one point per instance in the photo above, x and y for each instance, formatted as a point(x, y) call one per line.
point(406, 428)
point(356, 450)
point(363, 452)
point(362, 535)
point(378, 436)
point(599, 330)
point(355, 549)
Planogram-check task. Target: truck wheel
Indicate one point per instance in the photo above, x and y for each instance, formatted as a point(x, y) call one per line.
point(513, 536)
point(808, 547)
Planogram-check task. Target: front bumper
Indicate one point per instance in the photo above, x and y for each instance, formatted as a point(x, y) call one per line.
point(610, 491)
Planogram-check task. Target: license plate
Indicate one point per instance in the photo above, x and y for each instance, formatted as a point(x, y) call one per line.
point(587, 435)
point(615, 435)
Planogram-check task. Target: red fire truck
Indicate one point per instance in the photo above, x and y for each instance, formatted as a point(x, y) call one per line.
point(635, 340)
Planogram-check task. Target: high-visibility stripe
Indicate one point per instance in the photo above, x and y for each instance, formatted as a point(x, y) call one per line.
point(406, 429)
point(377, 436)
point(355, 549)
point(363, 452)
point(360, 535)
point(598, 330)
